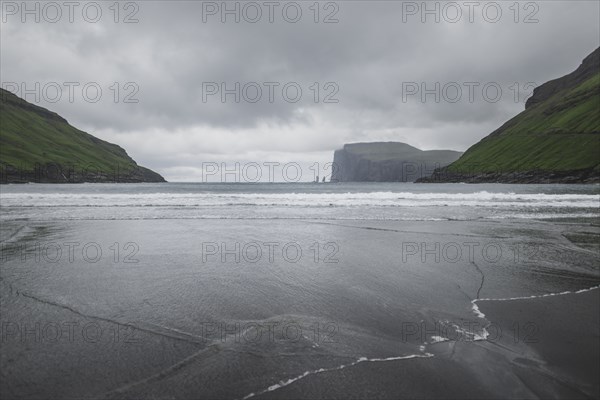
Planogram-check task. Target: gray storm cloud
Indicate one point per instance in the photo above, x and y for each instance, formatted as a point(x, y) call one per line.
point(362, 78)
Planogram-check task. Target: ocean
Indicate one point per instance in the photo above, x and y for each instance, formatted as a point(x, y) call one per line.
point(341, 201)
point(185, 290)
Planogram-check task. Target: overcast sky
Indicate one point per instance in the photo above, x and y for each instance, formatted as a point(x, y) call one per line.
point(371, 63)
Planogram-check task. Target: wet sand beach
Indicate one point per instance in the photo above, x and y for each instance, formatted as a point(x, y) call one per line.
point(297, 308)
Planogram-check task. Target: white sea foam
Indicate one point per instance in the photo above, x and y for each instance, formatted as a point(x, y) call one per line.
point(437, 339)
point(382, 199)
point(480, 314)
point(339, 367)
point(532, 297)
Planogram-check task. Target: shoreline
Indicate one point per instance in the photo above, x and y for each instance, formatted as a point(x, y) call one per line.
point(379, 281)
point(590, 176)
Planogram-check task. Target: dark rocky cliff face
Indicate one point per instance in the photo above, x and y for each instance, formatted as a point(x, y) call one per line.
point(64, 173)
point(387, 162)
point(586, 176)
point(589, 66)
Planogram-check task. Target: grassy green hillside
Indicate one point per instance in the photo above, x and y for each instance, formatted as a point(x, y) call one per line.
point(561, 133)
point(31, 136)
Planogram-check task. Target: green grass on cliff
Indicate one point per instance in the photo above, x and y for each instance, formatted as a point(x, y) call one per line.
point(31, 135)
point(561, 133)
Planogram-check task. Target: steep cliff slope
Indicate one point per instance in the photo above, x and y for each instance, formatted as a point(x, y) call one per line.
point(387, 162)
point(37, 145)
point(556, 138)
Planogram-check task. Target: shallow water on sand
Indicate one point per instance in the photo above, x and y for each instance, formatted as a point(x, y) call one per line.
point(191, 290)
